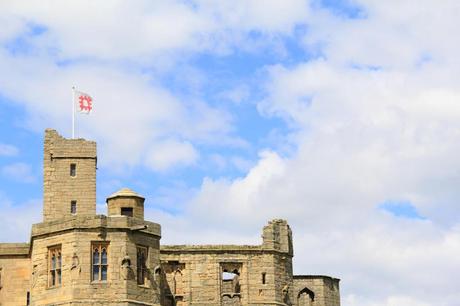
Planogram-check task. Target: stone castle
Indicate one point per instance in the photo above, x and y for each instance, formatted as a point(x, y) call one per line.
point(76, 257)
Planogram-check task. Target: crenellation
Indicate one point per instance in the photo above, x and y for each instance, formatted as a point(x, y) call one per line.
point(80, 258)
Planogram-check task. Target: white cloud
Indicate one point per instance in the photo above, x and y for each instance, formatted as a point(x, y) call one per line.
point(144, 29)
point(163, 155)
point(14, 228)
point(19, 172)
point(236, 95)
point(374, 122)
point(8, 150)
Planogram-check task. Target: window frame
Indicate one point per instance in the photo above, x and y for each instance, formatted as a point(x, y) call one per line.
point(55, 271)
point(73, 204)
point(141, 268)
point(73, 170)
point(100, 246)
point(125, 208)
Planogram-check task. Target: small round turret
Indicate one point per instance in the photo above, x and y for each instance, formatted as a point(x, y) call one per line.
point(126, 202)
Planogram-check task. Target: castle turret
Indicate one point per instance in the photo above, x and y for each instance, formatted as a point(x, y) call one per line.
point(125, 202)
point(69, 177)
point(277, 235)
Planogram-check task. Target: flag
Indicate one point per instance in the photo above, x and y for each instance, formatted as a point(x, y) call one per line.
point(84, 102)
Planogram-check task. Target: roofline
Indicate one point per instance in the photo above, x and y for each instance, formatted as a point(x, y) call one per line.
point(311, 276)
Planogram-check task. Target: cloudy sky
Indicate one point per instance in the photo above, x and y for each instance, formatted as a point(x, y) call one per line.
point(341, 116)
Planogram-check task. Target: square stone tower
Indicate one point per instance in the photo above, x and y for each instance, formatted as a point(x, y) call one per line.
point(69, 177)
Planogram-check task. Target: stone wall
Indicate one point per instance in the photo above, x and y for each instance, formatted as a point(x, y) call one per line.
point(202, 275)
point(316, 290)
point(262, 273)
point(115, 205)
point(59, 187)
point(76, 238)
point(14, 273)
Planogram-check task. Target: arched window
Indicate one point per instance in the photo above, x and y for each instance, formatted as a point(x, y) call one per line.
point(99, 262)
point(178, 283)
point(305, 297)
point(55, 265)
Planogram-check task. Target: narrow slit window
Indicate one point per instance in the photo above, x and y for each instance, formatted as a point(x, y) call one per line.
point(264, 275)
point(127, 211)
point(142, 254)
point(73, 169)
point(73, 207)
point(28, 298)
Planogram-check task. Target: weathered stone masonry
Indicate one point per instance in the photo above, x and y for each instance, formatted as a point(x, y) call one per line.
point(76, 257)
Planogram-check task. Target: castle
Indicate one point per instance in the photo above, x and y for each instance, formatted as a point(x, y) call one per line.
point(76, 257)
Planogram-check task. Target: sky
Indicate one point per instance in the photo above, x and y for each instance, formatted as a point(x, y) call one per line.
point(342, 117)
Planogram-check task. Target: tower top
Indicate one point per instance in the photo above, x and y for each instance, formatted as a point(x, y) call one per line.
point(124, 192)
point(69, 176)
point(126, 202)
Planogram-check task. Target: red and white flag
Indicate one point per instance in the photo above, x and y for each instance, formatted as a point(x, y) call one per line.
point(84, 102)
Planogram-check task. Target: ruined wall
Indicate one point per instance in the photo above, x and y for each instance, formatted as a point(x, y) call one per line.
point(14, 273)
point(257, 279)
point(59, 186)
point(316, 290)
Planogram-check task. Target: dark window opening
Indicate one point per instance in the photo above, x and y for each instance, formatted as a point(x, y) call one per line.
point(73, 207)
point(28, 298)
point(127, 211)
point(142, 254)
point(264, 277)
point(73, 169)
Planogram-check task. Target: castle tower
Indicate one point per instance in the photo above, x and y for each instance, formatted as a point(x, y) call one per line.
point(69, 177)
point(125, 202)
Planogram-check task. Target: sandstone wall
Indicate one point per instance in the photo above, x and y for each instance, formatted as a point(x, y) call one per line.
point(59, 187)
point(14, 273)
point(325, 289)
point(203, 282)
point(76, 237)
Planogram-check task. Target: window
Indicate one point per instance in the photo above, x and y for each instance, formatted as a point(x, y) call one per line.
point(55, 265)
point(99, 262)
point(73, 207)
point(231, 278)
point(73, 169)
point(264, 275)
point(127, 211)
point(28, 298)
point(142, 255)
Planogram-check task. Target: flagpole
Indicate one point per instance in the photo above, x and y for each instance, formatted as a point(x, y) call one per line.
point(73, 112)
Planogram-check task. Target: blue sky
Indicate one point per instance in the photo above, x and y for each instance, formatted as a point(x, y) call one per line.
point(341, 116)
